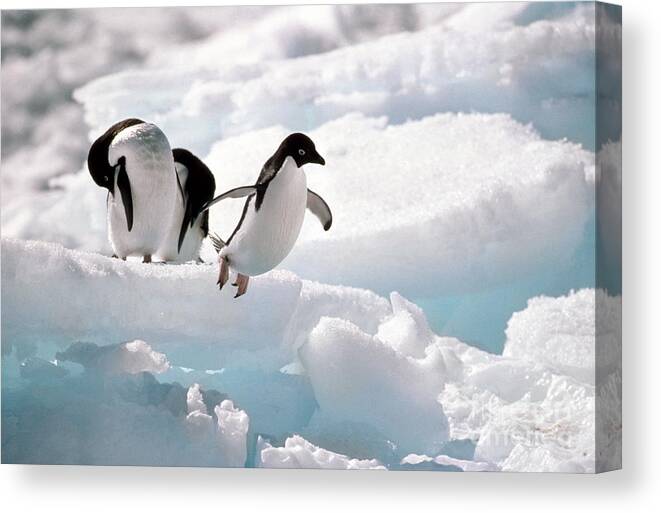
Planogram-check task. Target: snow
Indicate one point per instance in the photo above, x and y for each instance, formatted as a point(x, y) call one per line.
point(559, 333)
point(357, 378)
point(417, 73)
point(299, 453)
point(467, 201)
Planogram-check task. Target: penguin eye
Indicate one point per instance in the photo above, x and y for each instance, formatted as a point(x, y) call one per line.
point(301, 152)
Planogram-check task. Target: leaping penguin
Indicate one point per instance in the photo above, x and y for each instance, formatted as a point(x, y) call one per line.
point(273, 213)
point(190, 223)
point(134, 158)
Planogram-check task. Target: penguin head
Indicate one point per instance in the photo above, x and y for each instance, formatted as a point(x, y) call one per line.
point(301, 148)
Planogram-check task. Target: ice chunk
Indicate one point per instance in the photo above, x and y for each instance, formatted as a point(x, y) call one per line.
point(299, 453)
point(358, 378)
point(233, 427)
point(198, 327)
point(194, 399)
point(406, 330)
point(80, 296)
point(129, 357)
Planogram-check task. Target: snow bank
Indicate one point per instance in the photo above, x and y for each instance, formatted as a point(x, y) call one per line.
point(485, 200)
point(76, 296)
point(457, 218)
point(406, 75)
point(82, 297)
point(50, 53)
point(299, 453)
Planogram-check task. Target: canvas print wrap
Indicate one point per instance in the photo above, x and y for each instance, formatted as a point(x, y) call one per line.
point(334, 237)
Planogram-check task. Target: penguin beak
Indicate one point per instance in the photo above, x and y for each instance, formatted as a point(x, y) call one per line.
point(318, 159)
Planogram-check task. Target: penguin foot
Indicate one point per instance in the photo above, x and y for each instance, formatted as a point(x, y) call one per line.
point(224, 273)
point(242, 284)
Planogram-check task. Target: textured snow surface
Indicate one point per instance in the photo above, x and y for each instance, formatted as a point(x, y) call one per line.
point(372, 382)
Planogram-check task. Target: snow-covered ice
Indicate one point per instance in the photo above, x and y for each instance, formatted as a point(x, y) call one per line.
point(375, 369)
point(462, 176)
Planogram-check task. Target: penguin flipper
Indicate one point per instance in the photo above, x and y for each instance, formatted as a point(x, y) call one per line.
point(238, 192)
point(187, 222)
point(124, 186)
point(320, 209)
point(217, 242)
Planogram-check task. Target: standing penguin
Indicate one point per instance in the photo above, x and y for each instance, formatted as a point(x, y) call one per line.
point(273, 213)
point(190, 223)
point(133, 160)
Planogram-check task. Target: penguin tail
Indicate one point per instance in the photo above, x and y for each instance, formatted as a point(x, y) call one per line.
point(217, 242)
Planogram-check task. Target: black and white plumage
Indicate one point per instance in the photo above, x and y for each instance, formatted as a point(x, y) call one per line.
point(190, 223)
point(133, 160)
point(273, 213)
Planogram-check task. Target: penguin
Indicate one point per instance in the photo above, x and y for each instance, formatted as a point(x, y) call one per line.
point(272, 214)
point(133, 160)
point(190, 224)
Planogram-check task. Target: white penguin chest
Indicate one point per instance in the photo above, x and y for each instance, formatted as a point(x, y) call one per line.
point(267, 235)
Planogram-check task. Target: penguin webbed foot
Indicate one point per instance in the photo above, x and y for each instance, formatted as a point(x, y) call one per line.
point(223, 274)
point(241, 284)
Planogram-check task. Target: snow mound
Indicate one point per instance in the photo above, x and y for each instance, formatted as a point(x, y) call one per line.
point(299, 453)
